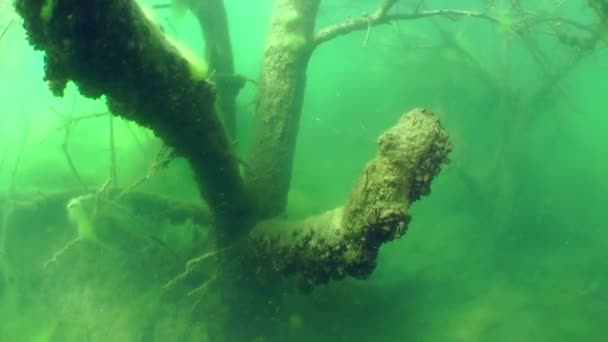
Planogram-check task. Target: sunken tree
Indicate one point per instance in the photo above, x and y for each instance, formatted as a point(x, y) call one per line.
point(113, 48)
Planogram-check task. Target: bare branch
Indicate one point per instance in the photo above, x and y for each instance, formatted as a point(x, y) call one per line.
point(381, 16)
point(163, 158)
point(6, 27)
point(194, 268)
point(62, 251)
point(71, 164)
point(68, 122)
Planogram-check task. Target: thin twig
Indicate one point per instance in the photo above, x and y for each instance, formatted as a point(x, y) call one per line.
point(201, 290)
point(171, 27)
point(113, 171)
point(191, 267)
point(551, 79)
point(5, 154)
point(68, 122)
point(385, 7)
point(369, 28)
point(72, 166)
point(61, 252)
point(418, 6)
point(163, 159)
point(452, 43)
point(6, 27)
point(26, 129)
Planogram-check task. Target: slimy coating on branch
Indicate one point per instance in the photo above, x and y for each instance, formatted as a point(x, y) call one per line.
point(112, 48)
point(345, 241)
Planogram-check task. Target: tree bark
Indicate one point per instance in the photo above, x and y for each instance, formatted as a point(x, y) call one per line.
point(345, 241)
point(279, 105)
point(110, 47)
point(211, 15)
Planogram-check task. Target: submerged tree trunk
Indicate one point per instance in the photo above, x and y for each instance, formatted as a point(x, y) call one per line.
point(110, 47)
point(211, 15)
point(279, 104)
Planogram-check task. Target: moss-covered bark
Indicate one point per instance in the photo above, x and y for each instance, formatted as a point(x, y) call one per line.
point(279, 105)
point(346, 241)
point(111, 48)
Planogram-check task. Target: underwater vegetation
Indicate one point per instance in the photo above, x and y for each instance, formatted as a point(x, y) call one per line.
point(222, 170)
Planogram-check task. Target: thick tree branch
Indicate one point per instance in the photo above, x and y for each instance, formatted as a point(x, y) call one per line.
point(211, 15)
point(111, 48)
point(346, 241)
point(280, 96)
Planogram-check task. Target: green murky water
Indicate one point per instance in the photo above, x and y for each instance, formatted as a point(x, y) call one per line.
point(510, 246)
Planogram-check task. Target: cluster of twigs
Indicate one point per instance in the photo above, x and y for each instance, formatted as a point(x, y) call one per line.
point(519, 21)
point(68, 123)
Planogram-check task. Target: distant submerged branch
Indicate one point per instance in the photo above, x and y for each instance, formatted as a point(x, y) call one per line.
point(520, 22)
point(6, 27)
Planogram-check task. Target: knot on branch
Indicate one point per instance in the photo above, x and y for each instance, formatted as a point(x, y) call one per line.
point(430, 165)
point(386, 224)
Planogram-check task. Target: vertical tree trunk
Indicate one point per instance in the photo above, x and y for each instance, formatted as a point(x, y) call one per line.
point(211, 15)
point(250, 304)
point(279, 105)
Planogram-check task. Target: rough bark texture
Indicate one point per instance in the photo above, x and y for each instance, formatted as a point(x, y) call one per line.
point(211, 15)
point(346, 241)
point(110, 47)
point(279, 104)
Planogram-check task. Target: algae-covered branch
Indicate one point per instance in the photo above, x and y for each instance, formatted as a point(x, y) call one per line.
point(114, 48)
point(346, 241)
